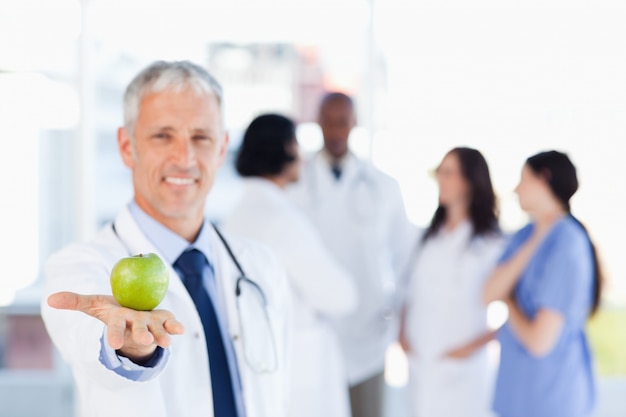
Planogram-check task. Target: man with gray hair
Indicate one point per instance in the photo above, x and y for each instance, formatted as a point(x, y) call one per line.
point(217, 344)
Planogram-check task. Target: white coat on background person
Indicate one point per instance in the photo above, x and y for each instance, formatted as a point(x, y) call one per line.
point(321, 287)
point(445, 313)
point(445, 322)
point(129, 363)
point(363, 223)
point(362, 220)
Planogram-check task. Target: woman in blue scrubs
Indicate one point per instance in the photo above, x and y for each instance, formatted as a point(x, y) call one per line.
point(550, 279)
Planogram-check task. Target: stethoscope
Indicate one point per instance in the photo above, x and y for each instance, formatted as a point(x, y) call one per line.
point(253, 340)
point(242, 275)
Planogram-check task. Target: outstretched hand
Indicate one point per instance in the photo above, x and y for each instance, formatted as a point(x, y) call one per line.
point(135, 334)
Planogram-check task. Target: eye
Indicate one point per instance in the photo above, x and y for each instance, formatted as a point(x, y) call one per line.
point(201, 138)
point(162, 135)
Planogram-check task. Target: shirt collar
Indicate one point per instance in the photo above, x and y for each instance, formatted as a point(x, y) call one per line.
point(169, 244)
point(332, 161)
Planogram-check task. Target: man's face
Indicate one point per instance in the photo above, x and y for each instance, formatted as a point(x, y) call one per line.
point(336, 119)
point(178, 146)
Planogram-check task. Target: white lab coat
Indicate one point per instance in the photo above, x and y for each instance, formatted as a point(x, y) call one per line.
point(444, 312)
point(183, 388)
point(321, 287)
point(363, 222)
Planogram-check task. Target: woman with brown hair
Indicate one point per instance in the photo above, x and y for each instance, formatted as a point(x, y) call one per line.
point(444, 327)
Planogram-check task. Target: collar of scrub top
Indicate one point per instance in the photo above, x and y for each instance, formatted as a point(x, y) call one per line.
point(169, 244)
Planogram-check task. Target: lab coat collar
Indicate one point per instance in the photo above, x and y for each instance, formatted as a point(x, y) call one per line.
point(170, 244)
point(350, 166)
point(266, 189)
point(331, 160)
point(459, 236)
point(258, 183)
point(136, 242)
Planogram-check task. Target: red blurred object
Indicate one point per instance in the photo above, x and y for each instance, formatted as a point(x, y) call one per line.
point(27, 344)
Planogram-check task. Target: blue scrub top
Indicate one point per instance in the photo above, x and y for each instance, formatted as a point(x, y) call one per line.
point(559, 277)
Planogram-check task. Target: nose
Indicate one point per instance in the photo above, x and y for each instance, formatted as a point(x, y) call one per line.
point(184, 152)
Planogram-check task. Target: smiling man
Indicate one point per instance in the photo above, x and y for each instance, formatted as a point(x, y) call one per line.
point(195, 355)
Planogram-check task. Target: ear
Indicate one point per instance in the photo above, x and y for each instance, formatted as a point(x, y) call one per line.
point(546, 175)
point(125, 146)
point(224, 149)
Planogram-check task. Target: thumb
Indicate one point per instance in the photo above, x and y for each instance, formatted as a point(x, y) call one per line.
point(64, 300)
point(94, 305)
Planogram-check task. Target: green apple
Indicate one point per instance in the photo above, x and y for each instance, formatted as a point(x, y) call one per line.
point(140, 282)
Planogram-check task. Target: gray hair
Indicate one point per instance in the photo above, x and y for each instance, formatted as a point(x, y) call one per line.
point(164, 75)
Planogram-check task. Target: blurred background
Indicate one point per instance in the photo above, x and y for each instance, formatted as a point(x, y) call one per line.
point(508, 78)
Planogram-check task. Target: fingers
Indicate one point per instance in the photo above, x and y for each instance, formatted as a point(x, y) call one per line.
point(163, 330)
point(161, 337)
point(141, 333)
point(116, 331)
point(130, 329)
point(141, 328)
point(165, 326)
point(173, 326)
point(125, 327)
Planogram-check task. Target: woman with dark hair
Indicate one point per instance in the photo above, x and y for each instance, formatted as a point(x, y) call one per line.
point(270, 150)
point(444, 327)
point(549, 276)
point(268, 161)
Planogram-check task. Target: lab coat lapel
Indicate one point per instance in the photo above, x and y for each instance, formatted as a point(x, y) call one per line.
point(350, 170)
point(226, 275)
point(322, 173)
point(324, 176)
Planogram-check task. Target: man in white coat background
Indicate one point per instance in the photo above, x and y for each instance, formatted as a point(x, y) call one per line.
point(218, 343)
point(360, 214)
point(268, 160)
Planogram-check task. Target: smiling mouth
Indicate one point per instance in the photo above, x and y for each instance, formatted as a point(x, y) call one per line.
point(180, 181)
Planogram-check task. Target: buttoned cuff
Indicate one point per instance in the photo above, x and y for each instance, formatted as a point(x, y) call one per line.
point(127, 368)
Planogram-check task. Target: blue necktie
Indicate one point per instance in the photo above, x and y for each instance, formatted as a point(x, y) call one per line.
point(336, 170)
point(192, 263)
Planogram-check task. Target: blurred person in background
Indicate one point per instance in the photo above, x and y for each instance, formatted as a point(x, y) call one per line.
point(360, 214)
point(268, 160)
point(216, 345)
point(550, 278)
point(444, 323)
